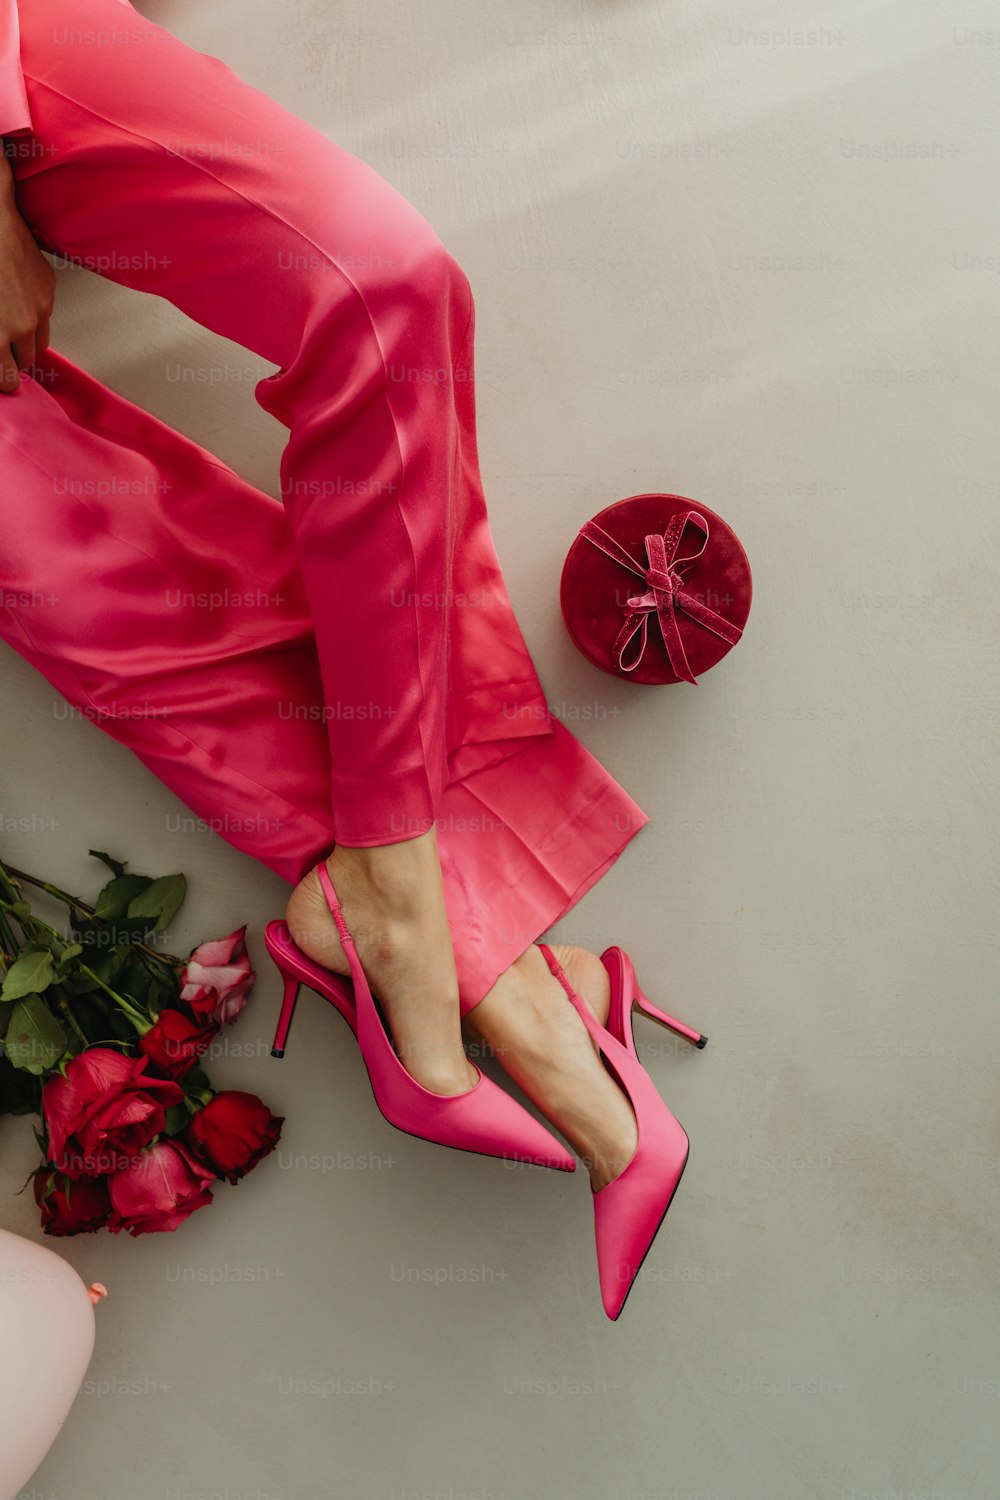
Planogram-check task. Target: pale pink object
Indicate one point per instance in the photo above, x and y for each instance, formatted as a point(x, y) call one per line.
point(217, 978)
point(46, 1341)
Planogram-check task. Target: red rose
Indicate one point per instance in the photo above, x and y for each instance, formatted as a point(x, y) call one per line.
point(175, 1043)
point(233, 1132)
point(217, 978)
point(71, 1207)
point(104, 1110)
point(158, 1190)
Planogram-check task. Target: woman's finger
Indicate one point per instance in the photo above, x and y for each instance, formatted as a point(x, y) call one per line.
point(10, 375)
point(24, 349)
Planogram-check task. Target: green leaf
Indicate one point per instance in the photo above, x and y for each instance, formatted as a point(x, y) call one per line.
point(80, 984)
point(67, 956)
point(114, 899)
point(28, 974)
point(21, 910)
point(35, 1040)
point(132, 929)
point(113, 865)
point(89, 933)
point(176, 1118)
point(161, 991)
point(133, 979)
point(106, 966)
point(161, 900)
point(111, 962)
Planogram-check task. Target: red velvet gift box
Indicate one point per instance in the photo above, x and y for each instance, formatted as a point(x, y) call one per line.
point(656, 588)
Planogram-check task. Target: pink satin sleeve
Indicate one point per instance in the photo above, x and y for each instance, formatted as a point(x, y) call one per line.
point(14, 112)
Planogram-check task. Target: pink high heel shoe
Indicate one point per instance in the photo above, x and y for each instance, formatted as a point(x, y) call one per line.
point(629, 1210)
point(483, 1119)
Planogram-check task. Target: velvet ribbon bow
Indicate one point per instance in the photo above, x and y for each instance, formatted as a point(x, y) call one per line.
point(665, 592)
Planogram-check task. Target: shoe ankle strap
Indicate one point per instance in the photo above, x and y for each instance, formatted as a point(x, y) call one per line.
point(333, 901)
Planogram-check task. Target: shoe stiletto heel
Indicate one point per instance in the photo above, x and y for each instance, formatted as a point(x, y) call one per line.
point(626, 994)
point(629, 1210)
point(696, 1038)
point(297, 969)
point(285, 1018)
point(484, 1119)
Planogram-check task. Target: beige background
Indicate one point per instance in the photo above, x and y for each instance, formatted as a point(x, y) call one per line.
point(761, 271)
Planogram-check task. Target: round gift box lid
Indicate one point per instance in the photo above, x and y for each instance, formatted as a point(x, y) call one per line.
point(694, 591)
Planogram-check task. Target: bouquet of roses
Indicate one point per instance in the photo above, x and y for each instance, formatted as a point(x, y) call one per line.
point(101, 1034)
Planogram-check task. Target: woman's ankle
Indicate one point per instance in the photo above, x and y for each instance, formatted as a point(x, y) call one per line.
point(393, 903)
point(583, 968)
point(389, 864)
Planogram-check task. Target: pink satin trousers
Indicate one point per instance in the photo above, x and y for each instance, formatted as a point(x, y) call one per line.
point(341, 664)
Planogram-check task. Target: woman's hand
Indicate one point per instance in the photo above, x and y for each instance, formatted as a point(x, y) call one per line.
point(27, 289)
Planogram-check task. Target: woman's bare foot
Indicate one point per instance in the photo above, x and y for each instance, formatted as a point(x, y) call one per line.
point(393, 903)
point(539, 1039)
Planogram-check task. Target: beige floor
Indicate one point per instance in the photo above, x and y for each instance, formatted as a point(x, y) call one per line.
point(758, 269)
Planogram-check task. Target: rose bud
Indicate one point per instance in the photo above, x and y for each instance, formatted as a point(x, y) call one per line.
point(217, 978)
point(233, 1131)
point(160, 1188)
point(103, 1111)
point(70, 1207)
point(176, 1041)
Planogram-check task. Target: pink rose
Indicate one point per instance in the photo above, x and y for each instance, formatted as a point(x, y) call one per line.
point(160, 1188)
point(217, 978)
point(103, 1111)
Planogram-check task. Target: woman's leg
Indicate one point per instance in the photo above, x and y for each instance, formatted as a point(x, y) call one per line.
point(343, 285)
point(114, 525)
point(166, 172)
point(181, 180)
point(158, 592)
